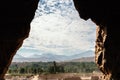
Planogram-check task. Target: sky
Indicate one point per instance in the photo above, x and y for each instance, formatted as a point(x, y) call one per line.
point(59, 34)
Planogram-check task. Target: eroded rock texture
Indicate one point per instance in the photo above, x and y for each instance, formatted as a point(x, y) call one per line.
point(106, 15)
point(15, 18)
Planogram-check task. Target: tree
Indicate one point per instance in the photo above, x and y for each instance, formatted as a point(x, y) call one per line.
point(55, 67)
point(22, 70)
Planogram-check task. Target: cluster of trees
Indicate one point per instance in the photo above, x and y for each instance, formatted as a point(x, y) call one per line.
point(80, 67)
point(52, 67)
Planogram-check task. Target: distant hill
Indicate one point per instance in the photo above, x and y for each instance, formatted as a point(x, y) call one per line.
point(84, 59)
point(88, 53)
point(84, 56)
point(18, 56)
point(49, 57)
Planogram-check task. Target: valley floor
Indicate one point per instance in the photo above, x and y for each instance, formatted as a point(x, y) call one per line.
point(61, 76)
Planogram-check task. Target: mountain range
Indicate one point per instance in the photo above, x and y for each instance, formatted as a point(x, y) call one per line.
point(53, 57)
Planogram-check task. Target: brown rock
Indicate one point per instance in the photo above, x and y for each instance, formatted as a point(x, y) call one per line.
point(107, 50)
point(15, 19)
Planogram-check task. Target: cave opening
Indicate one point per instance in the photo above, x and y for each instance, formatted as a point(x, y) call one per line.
point(16, 17)
point(58, 29)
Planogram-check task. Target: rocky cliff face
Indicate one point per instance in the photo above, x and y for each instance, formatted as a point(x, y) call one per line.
point(15, 18)
point(105, 15)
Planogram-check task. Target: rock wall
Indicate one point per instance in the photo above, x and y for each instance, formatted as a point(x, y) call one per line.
point(16, 15)
point(15, 19)
point(106, 15)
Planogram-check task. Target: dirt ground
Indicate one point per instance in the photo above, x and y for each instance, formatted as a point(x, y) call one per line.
point(36, 77)
point(61, 76)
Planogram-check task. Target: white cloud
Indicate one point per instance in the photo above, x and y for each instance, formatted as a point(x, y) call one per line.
point(59, 35)
point(59, 30)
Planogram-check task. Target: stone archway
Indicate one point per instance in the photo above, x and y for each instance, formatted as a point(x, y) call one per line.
point(16, 17)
